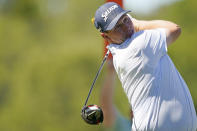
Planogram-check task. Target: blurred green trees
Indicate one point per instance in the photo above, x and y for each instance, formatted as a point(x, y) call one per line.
point(48, 61)
point(22, 8)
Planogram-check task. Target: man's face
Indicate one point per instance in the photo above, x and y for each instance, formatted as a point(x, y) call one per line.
point(122, 31)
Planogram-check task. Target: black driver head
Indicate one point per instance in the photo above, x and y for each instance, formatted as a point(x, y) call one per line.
point(92, 114)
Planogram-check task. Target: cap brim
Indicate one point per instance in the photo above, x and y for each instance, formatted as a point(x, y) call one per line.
point(115, 20)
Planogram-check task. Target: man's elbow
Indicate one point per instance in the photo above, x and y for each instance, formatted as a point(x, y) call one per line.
point(173, 34)
point(178, 31)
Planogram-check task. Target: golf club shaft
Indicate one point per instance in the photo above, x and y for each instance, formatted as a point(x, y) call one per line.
point(97, 74)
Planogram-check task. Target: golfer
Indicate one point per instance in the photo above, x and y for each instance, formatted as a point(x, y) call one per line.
point(159, 97)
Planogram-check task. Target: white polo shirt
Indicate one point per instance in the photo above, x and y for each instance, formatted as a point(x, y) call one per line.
point(159, 97)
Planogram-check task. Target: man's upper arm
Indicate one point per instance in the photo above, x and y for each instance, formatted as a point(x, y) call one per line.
point(172, 30)
point(172, 33)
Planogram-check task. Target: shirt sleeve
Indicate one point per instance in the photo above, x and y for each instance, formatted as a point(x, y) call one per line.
point(155, 46)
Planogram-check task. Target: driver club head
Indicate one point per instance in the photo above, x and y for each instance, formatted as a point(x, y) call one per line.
point(92, 114)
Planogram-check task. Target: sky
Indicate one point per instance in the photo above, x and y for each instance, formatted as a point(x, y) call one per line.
point(144, 7)
point(141, 7)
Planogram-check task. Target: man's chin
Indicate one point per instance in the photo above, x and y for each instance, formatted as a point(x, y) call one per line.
point(122, 41)
point(130, 33)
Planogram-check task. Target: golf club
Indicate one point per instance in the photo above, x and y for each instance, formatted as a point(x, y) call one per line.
point(93, 114)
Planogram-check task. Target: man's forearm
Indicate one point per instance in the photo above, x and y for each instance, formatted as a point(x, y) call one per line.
point(153, 24)
point(172, 30)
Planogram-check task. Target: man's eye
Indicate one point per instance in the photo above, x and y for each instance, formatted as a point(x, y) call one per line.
point(118, 26)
